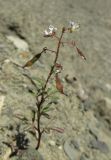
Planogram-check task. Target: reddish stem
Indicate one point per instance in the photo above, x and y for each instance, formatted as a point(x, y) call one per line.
point(39, 103)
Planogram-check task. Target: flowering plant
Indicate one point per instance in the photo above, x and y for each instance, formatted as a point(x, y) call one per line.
point(44, 93)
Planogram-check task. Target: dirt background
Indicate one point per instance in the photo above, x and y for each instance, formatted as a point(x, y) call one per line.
point(85, 114)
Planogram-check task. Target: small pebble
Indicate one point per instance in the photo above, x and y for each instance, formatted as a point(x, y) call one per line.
point(60, 147)
point(108, 86)
point(6, 61)
point(52, 143)
point(2, 99)
point(81, 94)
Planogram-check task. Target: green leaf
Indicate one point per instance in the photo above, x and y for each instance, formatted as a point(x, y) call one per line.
point(47, 108)
point(55, 98)
point(45, 115)
point(38, 81)
point(32, 92)
point(52, 91)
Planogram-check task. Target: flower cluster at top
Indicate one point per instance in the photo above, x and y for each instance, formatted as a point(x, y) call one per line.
point(73, 26)
point(52, 30)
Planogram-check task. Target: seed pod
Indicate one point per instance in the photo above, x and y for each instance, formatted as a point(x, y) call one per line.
point(32, 61)
point(80, 53)
point(59, 85)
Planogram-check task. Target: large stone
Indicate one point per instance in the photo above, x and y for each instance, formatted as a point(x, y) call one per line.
point(71, 148)
point(20, 44)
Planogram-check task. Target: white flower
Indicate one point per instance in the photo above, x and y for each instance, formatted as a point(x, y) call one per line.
point(57, 71)
point(52, 28)
point(73, 26)
point(50, 32)
point(46, 33)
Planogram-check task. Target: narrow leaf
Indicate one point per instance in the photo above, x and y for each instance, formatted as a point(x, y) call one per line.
point(45, 115)
point(46, 108)
point(55, 99)
point(80, 53)
point(33, 60)
point(39, 81)
point(33, 115)
point(52, 91)
point(32, 81)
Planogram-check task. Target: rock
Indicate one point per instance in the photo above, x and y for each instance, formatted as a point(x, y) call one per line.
point(93, 131)
point(29, 154)
point(103, 109)
point(7, 61)
point(2, 98)
point(100, 145)
point(60, 147)
point(71, 148)
point(20, 44)
point(4, 152)
point(108, 102)
point(52, 143)
point(87, 105)
point(108, 86)
point(81, 94)
point(2, 46)
point(84, 156)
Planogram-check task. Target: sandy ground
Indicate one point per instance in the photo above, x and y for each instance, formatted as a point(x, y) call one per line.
point(85, 114)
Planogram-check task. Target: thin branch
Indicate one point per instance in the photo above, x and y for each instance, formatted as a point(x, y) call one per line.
point(33, 83)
